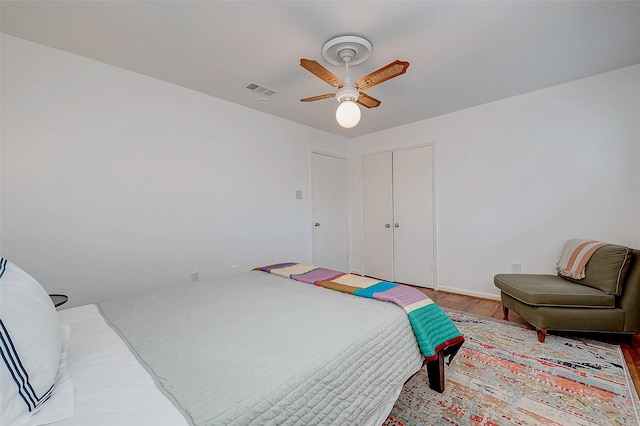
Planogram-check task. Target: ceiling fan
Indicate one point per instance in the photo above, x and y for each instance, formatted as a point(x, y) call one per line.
point(350, 50)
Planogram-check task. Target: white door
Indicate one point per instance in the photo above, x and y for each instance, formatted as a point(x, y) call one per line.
point(413, 252)
point(329, 187)
point(377, 216)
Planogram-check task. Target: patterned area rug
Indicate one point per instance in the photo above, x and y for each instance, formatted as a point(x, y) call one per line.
point(503, 376)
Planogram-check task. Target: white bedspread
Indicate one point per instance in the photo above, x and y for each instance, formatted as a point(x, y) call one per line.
point(259, 349)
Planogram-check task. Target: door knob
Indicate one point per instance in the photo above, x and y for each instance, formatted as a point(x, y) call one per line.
point(387, 226)
point(396, 225)
point(317, 224)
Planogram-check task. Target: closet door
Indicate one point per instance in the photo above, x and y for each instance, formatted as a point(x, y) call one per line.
point(413, 251)
point(329, 187)
point(378, 215)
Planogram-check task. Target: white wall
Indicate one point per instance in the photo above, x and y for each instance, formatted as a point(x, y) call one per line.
point(113, 182)
point(517, 177)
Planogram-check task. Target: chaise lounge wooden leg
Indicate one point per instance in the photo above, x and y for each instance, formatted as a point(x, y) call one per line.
point(505, 312)
point(542, 333)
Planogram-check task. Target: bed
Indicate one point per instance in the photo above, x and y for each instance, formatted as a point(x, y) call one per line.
point(276, 352)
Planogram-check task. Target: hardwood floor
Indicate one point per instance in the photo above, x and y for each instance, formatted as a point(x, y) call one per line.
point(493, 309)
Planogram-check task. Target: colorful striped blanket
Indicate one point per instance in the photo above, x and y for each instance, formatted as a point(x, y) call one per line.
point(574, 257)
point(433, 329)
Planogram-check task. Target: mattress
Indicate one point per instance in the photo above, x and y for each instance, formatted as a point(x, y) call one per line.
point(250, 349)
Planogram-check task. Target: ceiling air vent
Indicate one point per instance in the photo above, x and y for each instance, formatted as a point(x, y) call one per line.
point(261, 90)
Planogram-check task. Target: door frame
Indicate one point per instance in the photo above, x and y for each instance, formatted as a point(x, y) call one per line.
point(349, 195)
point(434, 190)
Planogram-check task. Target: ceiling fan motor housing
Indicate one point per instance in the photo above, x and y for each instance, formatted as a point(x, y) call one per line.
point(347, 93)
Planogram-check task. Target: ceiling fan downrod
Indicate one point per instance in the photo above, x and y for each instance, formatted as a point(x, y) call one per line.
point(349, 91)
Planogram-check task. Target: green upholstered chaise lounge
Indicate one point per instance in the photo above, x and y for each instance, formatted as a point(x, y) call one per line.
point(606, 300)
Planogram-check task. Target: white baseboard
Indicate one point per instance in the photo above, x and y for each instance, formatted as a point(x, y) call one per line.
point(469, 292)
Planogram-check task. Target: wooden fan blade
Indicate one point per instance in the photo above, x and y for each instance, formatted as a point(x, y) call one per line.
point(321, 72)
point(385, 73)
point(368, 101)
point(318, 98)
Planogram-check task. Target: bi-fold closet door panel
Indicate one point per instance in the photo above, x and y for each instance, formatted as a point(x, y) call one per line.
point(398, 216)
point(377, 193)
point(413, 236)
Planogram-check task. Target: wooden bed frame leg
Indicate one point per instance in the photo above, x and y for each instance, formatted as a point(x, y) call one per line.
point(542, 333)
point(435, 368)
point(505, 312)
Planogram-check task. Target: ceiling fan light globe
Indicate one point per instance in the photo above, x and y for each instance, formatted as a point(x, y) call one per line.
point(348, 114)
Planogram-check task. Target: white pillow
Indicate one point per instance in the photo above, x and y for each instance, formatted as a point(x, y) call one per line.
point(30, 345)
point(61, 405)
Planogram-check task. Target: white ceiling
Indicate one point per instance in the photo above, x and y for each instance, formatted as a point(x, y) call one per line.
point(462, 53)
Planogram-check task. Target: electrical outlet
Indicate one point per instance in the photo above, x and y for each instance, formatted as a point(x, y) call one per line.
point(516, 268)
point(298, 195)
point(195, 276)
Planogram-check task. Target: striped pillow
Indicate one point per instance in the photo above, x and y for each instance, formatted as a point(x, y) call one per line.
point(30, 345)
point(606, 269)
